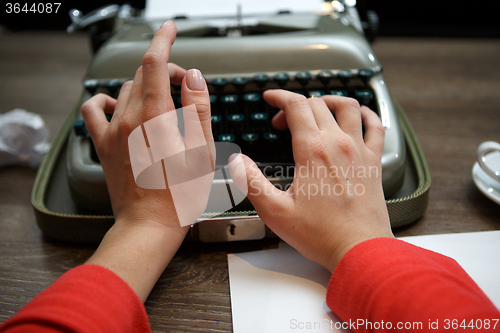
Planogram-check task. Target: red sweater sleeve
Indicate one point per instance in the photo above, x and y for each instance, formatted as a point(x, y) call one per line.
point(88, 298)
point(391, 281)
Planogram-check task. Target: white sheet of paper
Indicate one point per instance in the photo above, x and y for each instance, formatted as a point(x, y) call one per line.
point(279, 290)
point(162, 9)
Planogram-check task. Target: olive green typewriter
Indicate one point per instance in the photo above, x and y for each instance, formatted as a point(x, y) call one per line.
point(312, 53)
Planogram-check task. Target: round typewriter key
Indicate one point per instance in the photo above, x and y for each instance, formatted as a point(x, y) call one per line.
point(80, 128)
point(342, 93)
point(325, 77)
point(226, 138)
point(364, 97)
point(261, 80)
point(91, 86)
point(239, 82)
point(259, 116)
point(316, 93)
point(113, 86)
point(219, 83)
point(365, 75)
point(345, 76)
point(229, 99)
point(303, 77)
point(236, 117)
point(250, 137)
point(282, 79)
point(216, 118)
point(271, 137)
point(251, 98)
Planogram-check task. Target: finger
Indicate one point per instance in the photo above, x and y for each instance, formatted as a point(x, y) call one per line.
point(194, 92)
point(93, 113)
point(156, 81)
point(135, 95)
point(322, 114)
point(123, 98)
point(299, 116)
point(266, 199)
point(347, 113)
point(279, 121)
point(176, 73)
point(374, 131)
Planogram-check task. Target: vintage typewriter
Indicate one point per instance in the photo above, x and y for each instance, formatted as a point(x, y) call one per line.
point(311, 53)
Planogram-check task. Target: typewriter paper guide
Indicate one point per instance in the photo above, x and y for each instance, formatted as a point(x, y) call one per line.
point(323, 43)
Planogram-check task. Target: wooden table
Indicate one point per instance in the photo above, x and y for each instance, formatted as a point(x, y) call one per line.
point(449, 88)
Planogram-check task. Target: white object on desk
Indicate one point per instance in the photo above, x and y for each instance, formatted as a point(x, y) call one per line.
point(279, 290)
point(160, 9)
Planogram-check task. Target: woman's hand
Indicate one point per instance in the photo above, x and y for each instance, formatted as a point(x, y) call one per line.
point(336, 199)
point(146, 233)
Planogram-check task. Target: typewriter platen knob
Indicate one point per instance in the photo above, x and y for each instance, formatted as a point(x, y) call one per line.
point(282, 79)
point(365, 75)
point(91, 86)
point(261, 80)
point(345, 76)
point(303, 78)
point(219, 83)
point(239, 83)
point(325, 77)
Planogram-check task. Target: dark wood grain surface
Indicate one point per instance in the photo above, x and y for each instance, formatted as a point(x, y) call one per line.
point(450, 90)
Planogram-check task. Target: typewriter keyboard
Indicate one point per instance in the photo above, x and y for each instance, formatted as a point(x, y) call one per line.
point(240, 115)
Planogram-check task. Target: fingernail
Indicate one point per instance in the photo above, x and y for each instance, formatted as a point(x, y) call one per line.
point(235, 159)
point(166, 23)
point(195, 80)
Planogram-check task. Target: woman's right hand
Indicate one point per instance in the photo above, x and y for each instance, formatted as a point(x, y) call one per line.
point(336, 199)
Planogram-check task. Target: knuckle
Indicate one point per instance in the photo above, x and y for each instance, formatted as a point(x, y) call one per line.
point(318, 146)
point(203, 112)
point(314, 101)
point(86, 108)
point(152, 59)
point(125, 126)
point(379, 128)
point(296, 101)
point(352, 102)
point(346, 147)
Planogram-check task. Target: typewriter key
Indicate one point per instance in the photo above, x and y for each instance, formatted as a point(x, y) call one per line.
point(316, 93)
point(342, 93)
point(303, 78)
point(239, 83)
point(365, 75)
point(91, 86)
point(345, 76)
point(364, 97)
point(219, 83)
point(325, 77)
point(261, 80)
point(282, 79)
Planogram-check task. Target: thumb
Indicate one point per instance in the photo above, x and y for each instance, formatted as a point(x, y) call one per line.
point(266, 199)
